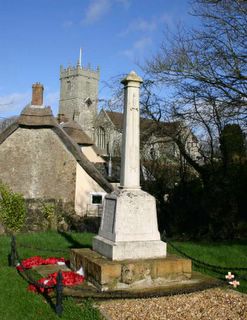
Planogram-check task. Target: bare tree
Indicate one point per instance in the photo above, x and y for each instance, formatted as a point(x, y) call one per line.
point(206, 71)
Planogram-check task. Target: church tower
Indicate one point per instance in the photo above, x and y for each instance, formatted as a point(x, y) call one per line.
point(79, 95)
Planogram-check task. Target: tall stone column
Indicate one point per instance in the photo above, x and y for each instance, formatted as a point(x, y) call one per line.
point(129, 228)
point(130, 161)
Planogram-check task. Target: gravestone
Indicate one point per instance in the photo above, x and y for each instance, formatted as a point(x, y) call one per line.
point(129, 228)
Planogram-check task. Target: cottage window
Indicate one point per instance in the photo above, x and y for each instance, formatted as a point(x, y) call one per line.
point(97, 198)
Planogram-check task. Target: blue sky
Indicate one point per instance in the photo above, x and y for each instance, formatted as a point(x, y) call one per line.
point(36, 37)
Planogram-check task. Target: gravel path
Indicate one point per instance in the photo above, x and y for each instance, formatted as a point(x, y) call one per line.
point(212, 304)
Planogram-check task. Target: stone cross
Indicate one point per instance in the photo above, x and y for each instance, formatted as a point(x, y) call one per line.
point(130, 160)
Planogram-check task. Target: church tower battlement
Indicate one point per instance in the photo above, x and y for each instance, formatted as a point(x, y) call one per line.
point(79, 95)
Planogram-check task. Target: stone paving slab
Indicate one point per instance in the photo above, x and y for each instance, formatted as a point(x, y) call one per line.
point(197, 282)
point(45, 270)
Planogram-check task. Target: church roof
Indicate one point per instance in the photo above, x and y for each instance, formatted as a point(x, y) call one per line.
point(149, 125)
point(116, 118)
point(75, 131)
point(39, 117)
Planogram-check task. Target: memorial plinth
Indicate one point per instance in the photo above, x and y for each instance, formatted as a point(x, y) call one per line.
point(109, 275)
point(129, 227)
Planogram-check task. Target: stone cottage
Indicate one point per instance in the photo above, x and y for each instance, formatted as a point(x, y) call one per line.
point(39, 159)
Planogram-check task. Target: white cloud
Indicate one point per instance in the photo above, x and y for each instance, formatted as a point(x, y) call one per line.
point(140, 25)
point(96, 10)
point(142, 43)
point(167, 19)
point(99, 8)
point(68, 24)
point(148, 26)
point(138, 48)
point(13, 103)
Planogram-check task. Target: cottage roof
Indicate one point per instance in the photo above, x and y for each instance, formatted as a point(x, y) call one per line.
point(39, 117)
point(36, 117)
point(75, 131)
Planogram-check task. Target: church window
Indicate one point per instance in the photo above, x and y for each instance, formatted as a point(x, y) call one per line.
point(101, 138)
point(88, 102)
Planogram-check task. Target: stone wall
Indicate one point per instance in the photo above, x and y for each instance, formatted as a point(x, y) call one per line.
point(36, 163)
point(48, 214)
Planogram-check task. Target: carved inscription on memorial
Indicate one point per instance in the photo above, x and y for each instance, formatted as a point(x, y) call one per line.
point(109, 214)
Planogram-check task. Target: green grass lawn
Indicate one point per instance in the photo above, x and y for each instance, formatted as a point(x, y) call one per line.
point(223, 254)
point(17, 303)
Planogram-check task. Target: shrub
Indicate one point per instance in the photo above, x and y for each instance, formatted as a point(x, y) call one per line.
point(12, 209)
point(49, 212)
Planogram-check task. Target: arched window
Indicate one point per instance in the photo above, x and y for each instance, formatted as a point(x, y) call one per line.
point(101, 138)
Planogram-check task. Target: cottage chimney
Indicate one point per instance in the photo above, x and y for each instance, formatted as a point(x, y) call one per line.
point(37, 94)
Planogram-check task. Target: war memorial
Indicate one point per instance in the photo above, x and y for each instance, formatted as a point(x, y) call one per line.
point(128, 252)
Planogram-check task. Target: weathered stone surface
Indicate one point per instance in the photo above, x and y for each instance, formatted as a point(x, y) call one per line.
point(40, 161)
point(57, 217)
point(79, 96)
point(133, 217)
point(33, 170)
point(107, 274)
point(130, 160)
point(129, 227)
point(45, 270)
